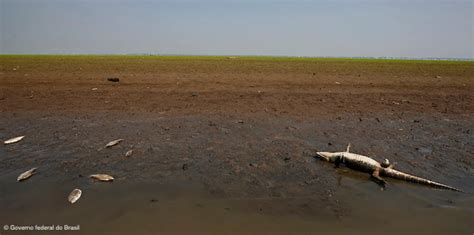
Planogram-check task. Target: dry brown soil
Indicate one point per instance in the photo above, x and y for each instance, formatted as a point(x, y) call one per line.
point(244, 130)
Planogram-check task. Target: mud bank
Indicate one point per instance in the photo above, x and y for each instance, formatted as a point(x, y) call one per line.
point(226, 147)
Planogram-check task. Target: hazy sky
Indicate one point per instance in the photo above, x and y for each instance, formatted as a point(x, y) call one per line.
point(398, 28)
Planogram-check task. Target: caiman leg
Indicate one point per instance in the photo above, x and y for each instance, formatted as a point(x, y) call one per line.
point(376, 177)
point(337, 162)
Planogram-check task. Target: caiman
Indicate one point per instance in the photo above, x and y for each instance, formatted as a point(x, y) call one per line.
point(375, 169)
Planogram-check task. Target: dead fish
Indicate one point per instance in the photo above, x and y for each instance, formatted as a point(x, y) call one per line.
point(14, 140)
point(27, 174)
point(74, 195)
point(113, 143)
point(102, 177)
point(129, 153)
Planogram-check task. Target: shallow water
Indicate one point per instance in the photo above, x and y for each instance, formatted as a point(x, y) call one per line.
point(121, 208)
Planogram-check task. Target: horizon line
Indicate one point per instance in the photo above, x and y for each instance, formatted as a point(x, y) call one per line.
point(249, 55)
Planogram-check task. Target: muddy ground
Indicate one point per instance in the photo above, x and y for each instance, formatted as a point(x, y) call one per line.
point(226, 146)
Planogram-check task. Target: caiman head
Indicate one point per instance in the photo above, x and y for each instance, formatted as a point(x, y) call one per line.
point(327, 156)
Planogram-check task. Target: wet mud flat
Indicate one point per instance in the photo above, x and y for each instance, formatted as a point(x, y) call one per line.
point(226, 146)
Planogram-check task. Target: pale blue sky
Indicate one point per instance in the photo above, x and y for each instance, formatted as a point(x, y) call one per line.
point(403, 28)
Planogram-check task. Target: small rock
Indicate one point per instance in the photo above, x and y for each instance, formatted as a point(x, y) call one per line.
point(286, 159)
point(113, 79)
point(154, 200)
point(194, 94)
point(185, 166)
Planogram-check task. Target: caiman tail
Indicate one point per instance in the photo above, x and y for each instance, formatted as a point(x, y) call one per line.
point(411, 178)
